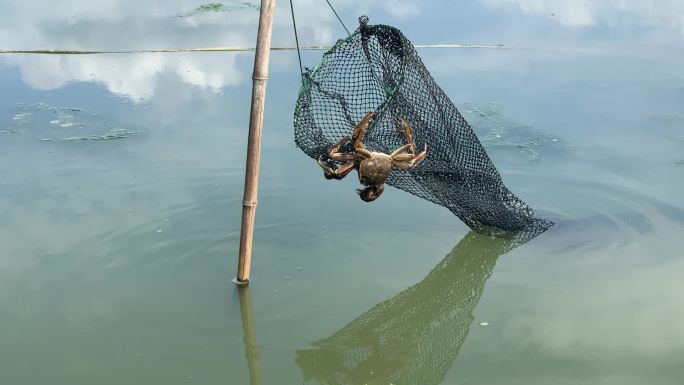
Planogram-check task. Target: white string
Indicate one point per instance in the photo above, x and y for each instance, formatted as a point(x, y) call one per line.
point(229, 49)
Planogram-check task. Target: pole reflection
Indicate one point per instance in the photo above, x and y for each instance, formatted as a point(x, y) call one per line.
point(252, 351)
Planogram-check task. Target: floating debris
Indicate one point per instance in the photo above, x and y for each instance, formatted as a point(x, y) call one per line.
point(484, 323)
point(220, 7)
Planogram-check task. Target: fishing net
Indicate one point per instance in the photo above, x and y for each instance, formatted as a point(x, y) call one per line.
point(377, 69)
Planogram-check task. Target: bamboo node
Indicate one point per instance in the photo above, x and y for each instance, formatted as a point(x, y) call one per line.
point(249, 203)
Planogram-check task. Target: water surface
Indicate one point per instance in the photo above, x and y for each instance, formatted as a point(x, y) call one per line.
point(121, 188)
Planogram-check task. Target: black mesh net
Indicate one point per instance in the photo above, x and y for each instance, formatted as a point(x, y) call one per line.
point(378, 70)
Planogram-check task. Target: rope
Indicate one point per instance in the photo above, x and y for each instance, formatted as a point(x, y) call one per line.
point(338, 17)
point(299, 52)
point(228, 49)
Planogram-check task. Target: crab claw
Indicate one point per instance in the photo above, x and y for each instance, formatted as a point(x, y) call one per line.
point(327, 166)
point(371, 193)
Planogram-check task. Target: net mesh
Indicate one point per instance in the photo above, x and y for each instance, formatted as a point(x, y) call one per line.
point(378, 70)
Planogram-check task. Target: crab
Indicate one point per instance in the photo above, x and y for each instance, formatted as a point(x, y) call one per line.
point(373, 167)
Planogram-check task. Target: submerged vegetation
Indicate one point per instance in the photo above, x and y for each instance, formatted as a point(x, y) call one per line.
point(495, 130)
point(220, 7)
point(51, 123)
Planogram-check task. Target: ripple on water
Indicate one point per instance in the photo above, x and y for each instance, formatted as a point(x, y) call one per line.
point(592, 210)
point(592, 215)
point(195, 233)
point(174, 216)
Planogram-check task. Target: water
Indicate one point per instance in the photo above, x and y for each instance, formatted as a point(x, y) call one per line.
point(118, 247)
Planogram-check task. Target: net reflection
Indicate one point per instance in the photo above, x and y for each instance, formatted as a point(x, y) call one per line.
point(414, 337)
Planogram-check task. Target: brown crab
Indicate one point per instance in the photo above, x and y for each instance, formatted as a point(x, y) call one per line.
point(373, 167)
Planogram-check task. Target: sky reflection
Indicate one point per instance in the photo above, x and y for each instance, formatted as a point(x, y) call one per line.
point(133, 25)
point(660, 14)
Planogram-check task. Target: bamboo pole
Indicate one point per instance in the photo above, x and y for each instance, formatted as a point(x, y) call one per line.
point(256, 118)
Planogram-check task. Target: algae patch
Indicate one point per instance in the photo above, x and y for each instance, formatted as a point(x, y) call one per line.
point(115, 133)
point(51, 123)
point(495, 130)
point(220, 7)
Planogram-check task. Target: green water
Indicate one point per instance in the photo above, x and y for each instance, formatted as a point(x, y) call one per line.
point(121, 190)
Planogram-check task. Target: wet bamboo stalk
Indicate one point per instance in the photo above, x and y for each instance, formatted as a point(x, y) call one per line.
point(256, 118)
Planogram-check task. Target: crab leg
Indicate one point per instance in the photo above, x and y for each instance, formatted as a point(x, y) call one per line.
point(360, 132)
point(400, 150)
point(335, 153)
point(410, 157)
point(335, 173)
point(408, 134)
point(408, 161)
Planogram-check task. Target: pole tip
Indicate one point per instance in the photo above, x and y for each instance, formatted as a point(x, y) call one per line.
point(240, 283)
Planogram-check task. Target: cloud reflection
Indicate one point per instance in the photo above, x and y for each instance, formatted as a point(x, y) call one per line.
point(135, 25)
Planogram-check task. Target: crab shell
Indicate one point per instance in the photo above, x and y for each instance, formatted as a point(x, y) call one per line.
point(375, 170)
